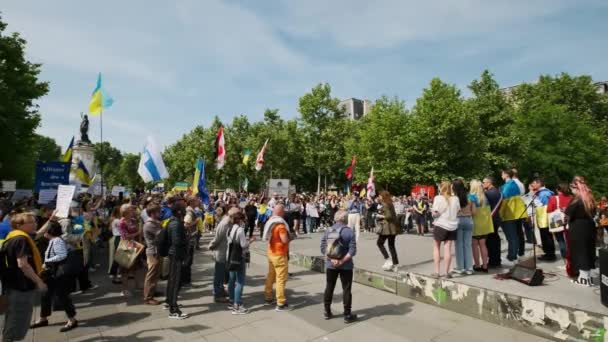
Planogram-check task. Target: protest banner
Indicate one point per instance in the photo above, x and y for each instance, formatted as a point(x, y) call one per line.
point(49, 175)
point(9, 186)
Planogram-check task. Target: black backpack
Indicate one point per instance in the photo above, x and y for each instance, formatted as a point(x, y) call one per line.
point(235, 254)
point(163, 242)
point(335, 247)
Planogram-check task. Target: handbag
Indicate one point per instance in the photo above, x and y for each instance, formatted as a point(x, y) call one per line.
point(127, 253)
point(557, 220)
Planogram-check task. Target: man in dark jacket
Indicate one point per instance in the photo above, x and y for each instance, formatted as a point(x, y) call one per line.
point(177, 255)
point(342, 267)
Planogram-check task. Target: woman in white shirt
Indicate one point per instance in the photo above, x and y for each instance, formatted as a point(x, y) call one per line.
point(312, 216)
point(114, 241)
point(445, 212)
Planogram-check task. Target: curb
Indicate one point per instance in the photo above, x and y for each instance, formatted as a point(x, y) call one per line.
point(548, 320)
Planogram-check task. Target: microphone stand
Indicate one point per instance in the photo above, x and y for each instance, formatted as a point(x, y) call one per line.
point(533, 219)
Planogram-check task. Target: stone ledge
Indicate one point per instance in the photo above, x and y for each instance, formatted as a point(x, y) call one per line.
point(548, 320)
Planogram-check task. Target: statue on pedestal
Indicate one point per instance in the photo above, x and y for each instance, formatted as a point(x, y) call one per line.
point(84, 129)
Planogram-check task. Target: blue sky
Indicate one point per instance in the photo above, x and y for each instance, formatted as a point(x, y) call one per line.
point(175, 65)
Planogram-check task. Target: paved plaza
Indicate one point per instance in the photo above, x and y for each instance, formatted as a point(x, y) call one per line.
point(104, 316)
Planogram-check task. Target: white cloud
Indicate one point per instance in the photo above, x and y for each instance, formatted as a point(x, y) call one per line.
point(368, 24)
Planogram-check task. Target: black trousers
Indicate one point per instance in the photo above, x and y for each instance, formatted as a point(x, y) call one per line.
point(251, 225)
point(186, 276)
point(173, 283)
point(546, 239)
point(521, 236)
point(58, 289)
point(391, 247)
point(493, 245)
point(346, 278)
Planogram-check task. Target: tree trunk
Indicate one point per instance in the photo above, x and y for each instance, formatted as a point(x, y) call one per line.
point(319, 180)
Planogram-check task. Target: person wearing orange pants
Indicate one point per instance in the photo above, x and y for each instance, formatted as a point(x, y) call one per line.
point(276, 232)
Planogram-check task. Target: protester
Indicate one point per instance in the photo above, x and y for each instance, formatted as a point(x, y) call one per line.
point(237, 243)
point(115, 276)
point(276, 232)
point(312, 216)
point(56, 279)
point(354, 215)
point(177, 255)
point(20, 279)
point(464, 232)
point(510, 218)
point(151, 230)
point(493, 240)
point(389, 231)
point(420, 209)
point(190, 223)
point(251, 211)
point(559, 203)
point(482, 226)
point(521, 235)
point(581, 230)
point(445, 212)
point(129, 232)
point(339, 267)
point(219, 247)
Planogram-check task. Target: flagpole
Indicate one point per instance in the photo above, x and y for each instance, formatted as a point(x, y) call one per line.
point(101, 138)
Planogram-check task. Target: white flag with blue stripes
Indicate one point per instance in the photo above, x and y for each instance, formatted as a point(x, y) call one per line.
point(151, 165)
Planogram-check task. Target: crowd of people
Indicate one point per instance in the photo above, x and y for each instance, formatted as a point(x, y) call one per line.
point(51, 257)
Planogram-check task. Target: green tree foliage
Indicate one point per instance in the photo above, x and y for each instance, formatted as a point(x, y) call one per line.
point(46, 149)
point(109, 159)
point(19, 117)
point(445, 136)
point(381, 140)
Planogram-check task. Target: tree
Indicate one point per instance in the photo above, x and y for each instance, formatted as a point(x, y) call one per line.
point(445, 136)
point(495, 116)
point(19, 117)
point(109, 160)
point(46, 149)
point(324, 130)
point(128, 174)
point(380, 140)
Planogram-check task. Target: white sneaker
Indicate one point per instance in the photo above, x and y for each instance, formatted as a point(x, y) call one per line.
point(240, 310)
point(388, 265)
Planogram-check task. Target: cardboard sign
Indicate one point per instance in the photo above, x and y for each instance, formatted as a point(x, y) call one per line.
point(279, 186)
point(65, 194)
point(46, 196)
point(20, 194)
point(116, 190)
point(9, 186)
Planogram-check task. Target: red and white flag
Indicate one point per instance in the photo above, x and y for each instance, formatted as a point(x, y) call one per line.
point(220, 149)
point(259, 161)
point(371, 184)
point(351, 168)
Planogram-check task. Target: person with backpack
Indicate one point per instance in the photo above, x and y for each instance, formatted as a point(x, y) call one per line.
point(219, 247)
point(151, 229)
point(20, 268)
point(339, 246)
point(238, 257)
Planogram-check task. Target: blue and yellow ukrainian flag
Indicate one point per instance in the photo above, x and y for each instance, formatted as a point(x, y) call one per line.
point(512, 206)
point(82, 173)
point(246, 155)
point(199, 185)
point(100, 99)
point(67, 156)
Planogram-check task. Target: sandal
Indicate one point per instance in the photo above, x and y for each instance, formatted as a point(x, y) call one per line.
point(69, 326)
point(40, 324)
point(435, 275)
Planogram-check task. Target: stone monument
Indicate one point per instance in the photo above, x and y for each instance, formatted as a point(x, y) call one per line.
point(83, 151)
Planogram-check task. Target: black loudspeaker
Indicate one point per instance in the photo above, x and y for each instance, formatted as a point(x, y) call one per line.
point(527, 273)
point(604, 275)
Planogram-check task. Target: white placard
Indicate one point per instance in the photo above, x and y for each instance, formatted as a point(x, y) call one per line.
point(116, 190)
point(20, 194)
point(9, 186)
point(46, 196)
point(278, 186)
point(65, 194)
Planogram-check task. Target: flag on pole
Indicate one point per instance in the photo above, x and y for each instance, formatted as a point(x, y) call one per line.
point(351, 169)
point(82, 173)
point(245, 184)
point(100, 98)
point(151, 165)
point(371, 186)
point(220, 150)
point(246, 155)
point(67, 156)
point(199, 185)
point(259, 161)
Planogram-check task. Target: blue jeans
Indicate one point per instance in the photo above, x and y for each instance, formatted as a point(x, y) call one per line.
point(218, 279)
point(464, 241)
point(510, 230)
point(236, 283)
point(562, 243)
point(311, 224)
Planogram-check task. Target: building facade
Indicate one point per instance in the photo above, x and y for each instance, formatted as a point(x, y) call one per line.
point(355, 109)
